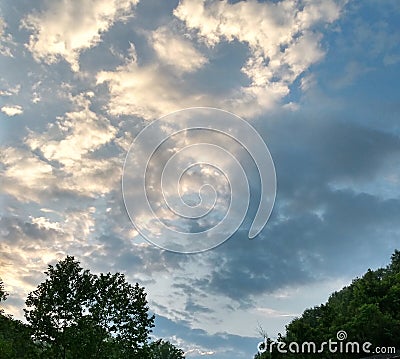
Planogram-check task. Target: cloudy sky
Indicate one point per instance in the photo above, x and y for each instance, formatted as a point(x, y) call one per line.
point(318, 79)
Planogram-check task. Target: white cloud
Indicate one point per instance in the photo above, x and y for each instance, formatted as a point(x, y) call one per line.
point(176, 51)
point(320, 11)
point(12, 110)
point(145, 91)
point(67, 27)
point(391, 59)
point(308, 82)
point(31, 243)
point(283, 43)
point(45, 223)
point(151, 91)
point(271, 313)
point(63, 158)
point(6, 40)
point(24, 176)
point(72, 140)
point(280, 36)
point(198, 351)
point(84, 131)
point(10, 91)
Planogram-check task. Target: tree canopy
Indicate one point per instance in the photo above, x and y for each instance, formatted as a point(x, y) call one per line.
point(15, 337)
point(76, 314)
point(368, 310)
point(162, 349)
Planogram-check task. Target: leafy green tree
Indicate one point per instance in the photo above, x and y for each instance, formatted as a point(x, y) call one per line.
point(15, 340)
point(162, 349)
point(58, 304)
point(77, 314)
point(15, 337)
point(395, 262)
point(368, 310)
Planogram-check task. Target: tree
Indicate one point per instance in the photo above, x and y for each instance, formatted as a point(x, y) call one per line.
point(76, 314)
point(368, 310)
point(162, 349)
point(15, 340)
point(15, 337)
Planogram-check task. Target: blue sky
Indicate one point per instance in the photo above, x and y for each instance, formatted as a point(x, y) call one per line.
point(319, 80)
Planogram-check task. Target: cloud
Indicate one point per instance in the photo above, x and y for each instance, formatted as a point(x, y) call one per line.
point(10, 91)
point(7, 43)
point(197, 343)
point(82, 132)
point(283, 42)
point(12, 110)
point(145, 91)
point(67, 27)
point(64, 159)
point(28, 244)
point(281, 37)
point(24, 175)
point(176, 51)
point(270, 312)
point(72, 142)
point(317, 233)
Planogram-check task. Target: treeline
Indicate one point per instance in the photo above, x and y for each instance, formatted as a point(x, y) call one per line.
point(76, 314)
point(368, 310)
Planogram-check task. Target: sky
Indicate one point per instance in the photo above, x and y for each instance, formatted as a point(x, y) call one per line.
point(318, 80)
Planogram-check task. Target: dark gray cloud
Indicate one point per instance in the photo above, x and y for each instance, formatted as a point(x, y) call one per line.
point(316, 230)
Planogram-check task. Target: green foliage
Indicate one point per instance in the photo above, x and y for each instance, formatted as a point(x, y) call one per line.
point(368, 310)
point(76, 314)
point(15, 337)
point(15, 340)
point(165, 350)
